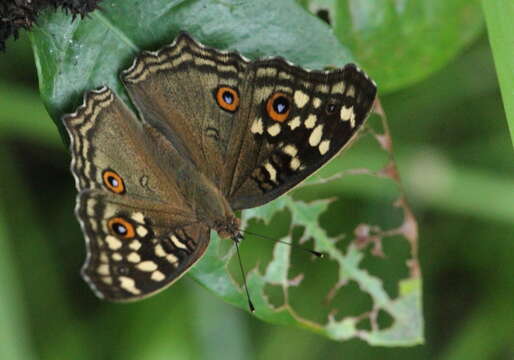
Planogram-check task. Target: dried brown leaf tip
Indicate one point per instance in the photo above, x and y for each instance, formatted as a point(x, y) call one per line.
point(16, 15)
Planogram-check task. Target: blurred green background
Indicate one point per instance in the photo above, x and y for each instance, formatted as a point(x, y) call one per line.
point(455, 157)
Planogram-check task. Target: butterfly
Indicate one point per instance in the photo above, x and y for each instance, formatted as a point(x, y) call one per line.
point(214, 133)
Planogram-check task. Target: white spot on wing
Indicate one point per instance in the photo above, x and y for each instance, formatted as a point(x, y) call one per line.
point(316, 135)
point(103, 269)
point(177, 242)
point(129, 285)
point(324, 146)
point(257, 126)
point(338, 88)
point(112, 242)
point(134, 257)
point(290, 150)
point(293, 124)
point(322, 88)
point(147, 266)
point(274, 129)
point(159, 251)
point(172, 259)
point(157, 276)
point(348, 114)
point(139, 217)
point(311, 121)
point(300, 98)
point(135, 245)
point(295, 163)
point(141, 231)
point(271, 171)
point(351, 91)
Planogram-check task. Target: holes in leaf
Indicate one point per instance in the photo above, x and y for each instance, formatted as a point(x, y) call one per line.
point(350, 300)
point(324, 15)
point(384, 320)
point(274, 295)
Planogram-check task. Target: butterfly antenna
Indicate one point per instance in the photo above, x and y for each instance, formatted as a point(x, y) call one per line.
point(313, 252)
point(250, 304)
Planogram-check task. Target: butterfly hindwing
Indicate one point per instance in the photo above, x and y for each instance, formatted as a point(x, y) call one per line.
point(130, 254)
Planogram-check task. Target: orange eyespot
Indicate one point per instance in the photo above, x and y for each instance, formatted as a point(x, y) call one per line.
point(227, 98)
point(113, 182)
point(278, 106)
point(121, 228)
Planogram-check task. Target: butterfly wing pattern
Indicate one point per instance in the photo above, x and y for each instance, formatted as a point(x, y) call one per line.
point(175, 90)
point(297, 121)
point(250, 151)
point(216, 133)
point(136, 243)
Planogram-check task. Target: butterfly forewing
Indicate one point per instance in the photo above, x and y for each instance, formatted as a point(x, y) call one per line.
point(251, 156)
point(191, 94)
point(294, 122)
point(124, 185)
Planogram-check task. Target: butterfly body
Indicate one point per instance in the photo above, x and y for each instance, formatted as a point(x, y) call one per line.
point(215, 133)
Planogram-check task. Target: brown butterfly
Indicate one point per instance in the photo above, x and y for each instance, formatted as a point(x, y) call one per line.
point(215, 133)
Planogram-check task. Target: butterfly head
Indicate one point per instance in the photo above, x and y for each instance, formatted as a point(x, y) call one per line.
point(228, 228)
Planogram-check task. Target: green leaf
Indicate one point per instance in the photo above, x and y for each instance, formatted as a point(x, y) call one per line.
point(212, 273)
point(401, 42)
point(498, 15)
point(74, 56)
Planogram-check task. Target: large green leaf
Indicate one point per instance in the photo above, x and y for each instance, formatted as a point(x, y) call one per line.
point(402, 42)
point(74, 56)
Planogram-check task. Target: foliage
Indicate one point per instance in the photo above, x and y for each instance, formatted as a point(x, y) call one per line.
point(402, 42)
point(70, 50)
point(456, 174)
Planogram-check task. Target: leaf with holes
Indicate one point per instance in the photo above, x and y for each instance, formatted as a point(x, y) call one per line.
point(286, 287)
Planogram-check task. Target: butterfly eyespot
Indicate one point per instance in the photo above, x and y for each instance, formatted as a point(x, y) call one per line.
point(121, 228)
point(331, 108)
point(113, 182)
point(227, 98)
point(278, 106)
